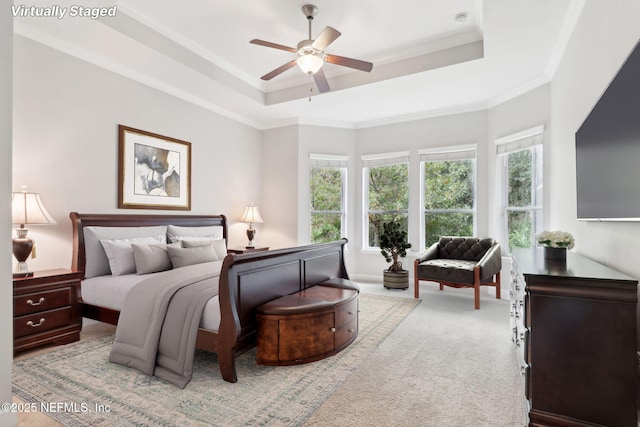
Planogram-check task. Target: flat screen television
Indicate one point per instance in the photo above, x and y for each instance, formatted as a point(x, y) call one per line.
point(608, 150)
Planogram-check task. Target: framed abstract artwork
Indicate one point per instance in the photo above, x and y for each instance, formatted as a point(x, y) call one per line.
point(154, 171)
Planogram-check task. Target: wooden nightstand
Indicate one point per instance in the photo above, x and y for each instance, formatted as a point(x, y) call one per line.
point(45, 309)
point(244, 249)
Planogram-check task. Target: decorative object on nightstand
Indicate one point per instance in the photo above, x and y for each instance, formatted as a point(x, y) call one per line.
point(251, 215)
point(45, 308)
point(26, 209)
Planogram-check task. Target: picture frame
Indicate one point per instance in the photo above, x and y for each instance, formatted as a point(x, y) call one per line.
point(154, 171)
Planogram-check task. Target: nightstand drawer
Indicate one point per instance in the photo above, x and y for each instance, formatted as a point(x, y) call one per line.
point(39, 322)
point(41, 301)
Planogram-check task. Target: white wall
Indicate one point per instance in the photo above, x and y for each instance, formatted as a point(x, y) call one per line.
point(66, 145)
point(279, 185)
point(6, 288)
point(603, 37)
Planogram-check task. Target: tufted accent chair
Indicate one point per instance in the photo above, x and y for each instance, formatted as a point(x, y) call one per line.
point(461, 262)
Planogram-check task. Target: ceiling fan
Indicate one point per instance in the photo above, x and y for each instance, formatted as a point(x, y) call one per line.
point(311, 53)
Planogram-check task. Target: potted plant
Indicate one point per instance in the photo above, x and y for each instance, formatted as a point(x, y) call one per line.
point(394, 245)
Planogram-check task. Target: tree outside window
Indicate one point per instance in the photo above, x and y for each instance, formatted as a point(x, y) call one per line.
point(327, 203)
point(388, 198)
point(449, 199)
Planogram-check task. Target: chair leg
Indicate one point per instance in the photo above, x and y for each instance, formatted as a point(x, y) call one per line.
point(498, 285)
point(476, 287)
point(476, 296)
point(416, 280)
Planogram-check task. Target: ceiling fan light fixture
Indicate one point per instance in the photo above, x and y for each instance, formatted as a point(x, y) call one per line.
point(310, 63)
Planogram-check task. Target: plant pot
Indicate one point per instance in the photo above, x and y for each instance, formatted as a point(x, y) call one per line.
point(396, 279)
point(555, 253)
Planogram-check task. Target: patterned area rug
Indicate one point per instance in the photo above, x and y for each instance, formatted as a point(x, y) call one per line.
point(77, 386)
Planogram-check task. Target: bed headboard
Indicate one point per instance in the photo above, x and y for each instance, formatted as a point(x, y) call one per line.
point(79, 221)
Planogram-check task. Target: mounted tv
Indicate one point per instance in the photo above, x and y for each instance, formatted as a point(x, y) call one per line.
point(608, 150)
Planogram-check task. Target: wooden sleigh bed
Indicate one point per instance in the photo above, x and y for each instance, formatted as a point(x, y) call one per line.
point(246, 281)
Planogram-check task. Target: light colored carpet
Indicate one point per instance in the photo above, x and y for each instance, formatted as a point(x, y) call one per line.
point(445, 365)
point(79, 377)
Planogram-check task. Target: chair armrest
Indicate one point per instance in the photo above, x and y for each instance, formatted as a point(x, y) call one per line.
point(491, 263)
point(431, 253)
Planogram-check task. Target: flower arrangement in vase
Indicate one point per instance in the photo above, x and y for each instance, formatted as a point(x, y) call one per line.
point(555, 243)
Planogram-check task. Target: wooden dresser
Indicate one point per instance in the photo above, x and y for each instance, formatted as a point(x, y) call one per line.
point(45, 309)
point(574, 327)
point(306, 326)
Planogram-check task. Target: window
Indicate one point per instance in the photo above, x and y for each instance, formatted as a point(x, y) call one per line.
point(522, 187)
point(386, 180)
point(448, 184)
point(328, 199)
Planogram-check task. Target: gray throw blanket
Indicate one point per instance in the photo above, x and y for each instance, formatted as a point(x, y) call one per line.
point(159, 321)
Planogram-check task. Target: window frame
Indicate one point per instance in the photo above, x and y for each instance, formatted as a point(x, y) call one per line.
point(330, 162)
point(381, 160)
point(443, 154)
point(530, 139)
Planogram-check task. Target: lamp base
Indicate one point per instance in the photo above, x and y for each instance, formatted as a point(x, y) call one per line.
point(22, 270)
point(22, 247)
point(251, 232)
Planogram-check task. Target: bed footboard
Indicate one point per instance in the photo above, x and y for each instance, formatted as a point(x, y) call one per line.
point(250, 280)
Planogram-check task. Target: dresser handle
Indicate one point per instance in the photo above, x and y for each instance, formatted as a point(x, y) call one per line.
point(352, 330)
point(350, 313)
point(40, 301)
point(333, 329)
point(35, 325)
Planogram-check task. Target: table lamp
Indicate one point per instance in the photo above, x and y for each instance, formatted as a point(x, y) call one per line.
point(26, 209)
point(251, 215)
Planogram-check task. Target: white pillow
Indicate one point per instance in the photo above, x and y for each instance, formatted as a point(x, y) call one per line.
point(152, 258)
point(219, 246)
point(120, 253)
point(97, 263)
point(181, 257)
point(177, 233)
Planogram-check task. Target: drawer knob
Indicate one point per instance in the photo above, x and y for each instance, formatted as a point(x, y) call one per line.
point(40, 301)
point(350, 313)
point(333, 329)
point(35, 325)
point(352, 330)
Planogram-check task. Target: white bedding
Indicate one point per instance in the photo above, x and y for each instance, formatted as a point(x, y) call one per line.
point(110, 291)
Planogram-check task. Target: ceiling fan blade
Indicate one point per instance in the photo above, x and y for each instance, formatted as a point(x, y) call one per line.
point(279, 70)
point(321, 81)
point(326, 37)
point(273, 45)
point(348, 62)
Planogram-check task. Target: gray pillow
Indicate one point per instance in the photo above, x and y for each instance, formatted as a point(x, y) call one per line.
point(181, 257)
point(97, 262)
point(152, 258)
point(219, 246)
point(120, 253)
point(177, 233)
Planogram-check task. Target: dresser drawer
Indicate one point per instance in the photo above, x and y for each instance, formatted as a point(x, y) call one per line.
point(346, 313)
point(346, 333)
point(41, 301)
point(39, 322)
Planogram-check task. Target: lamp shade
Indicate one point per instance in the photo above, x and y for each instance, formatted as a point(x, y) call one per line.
point(27, 208)
point(252, 215)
